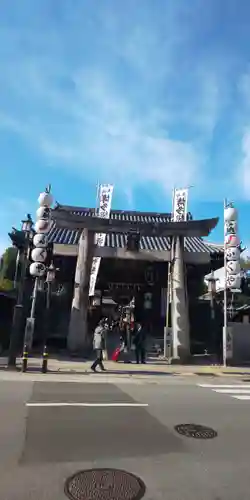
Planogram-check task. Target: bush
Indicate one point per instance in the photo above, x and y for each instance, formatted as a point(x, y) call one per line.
point(6, 285)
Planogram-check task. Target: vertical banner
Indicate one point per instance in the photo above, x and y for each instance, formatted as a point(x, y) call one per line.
point(180, 201)
point(180, 212)
point(105, 199)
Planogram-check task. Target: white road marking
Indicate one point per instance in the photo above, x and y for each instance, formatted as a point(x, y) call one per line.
point(224, 386)
point(94, 405)
point(241, 392)
point(233, 391)
point(243, 398)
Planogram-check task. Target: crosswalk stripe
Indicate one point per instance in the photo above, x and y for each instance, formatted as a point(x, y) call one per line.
point(222, 386)
point(232, 391)
point(243, 398)
point(240, 392)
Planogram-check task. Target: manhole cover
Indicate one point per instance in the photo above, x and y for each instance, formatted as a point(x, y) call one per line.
point(196, 431)
point(104, 484)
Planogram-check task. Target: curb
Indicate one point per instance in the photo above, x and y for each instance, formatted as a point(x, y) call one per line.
point(35, 370)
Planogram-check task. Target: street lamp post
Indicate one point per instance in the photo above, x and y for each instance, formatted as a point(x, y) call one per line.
point(22, 240)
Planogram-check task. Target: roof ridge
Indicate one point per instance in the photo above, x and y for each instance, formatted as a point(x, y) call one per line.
point(73, 208)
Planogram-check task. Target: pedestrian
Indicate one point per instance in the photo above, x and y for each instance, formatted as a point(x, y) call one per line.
point(99, 344)
point(140, 343)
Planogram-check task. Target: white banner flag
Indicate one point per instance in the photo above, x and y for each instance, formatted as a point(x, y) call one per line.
point(105, 199)
point(180, 205)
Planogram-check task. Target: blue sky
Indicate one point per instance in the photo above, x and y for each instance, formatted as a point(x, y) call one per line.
point(147, 94)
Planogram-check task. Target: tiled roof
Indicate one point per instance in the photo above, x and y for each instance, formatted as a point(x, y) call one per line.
point(115, 240)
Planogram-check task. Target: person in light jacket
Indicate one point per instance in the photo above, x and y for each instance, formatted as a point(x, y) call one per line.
point(99, 344)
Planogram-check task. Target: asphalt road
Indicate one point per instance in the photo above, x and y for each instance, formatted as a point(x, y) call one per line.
point(50, 430)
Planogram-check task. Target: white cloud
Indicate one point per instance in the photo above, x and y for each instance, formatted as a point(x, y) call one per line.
point(74, 102)
point(242, 177)
point(244, 168)
point(107, 134)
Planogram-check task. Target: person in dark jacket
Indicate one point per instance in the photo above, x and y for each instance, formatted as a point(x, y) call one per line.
point(140, 343)
point(99, 344)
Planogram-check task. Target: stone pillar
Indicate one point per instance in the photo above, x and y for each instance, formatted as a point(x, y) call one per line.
point(78, 340)
point(179, 305)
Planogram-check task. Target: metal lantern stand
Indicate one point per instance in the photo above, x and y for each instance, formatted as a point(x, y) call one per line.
point(50, 278)
point(25, 235)
point(39, 255)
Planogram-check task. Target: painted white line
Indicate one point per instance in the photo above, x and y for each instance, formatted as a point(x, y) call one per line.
point(232, 391)
point(243, 398)
point(94, 405)
point(222, 386)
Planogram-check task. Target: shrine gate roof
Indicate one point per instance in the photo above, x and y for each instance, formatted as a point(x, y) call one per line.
point(117, 240)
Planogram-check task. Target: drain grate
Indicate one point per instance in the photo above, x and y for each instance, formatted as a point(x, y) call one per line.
point(196, 431)
point(104, 484)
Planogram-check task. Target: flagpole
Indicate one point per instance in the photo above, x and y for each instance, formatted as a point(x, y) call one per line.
point(224, 338)
point(97, 198)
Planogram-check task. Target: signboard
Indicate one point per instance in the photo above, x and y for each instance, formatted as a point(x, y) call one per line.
point(168, 333)
point(229, 343)
point(180, 205)
point(105, 199)
point(29, 331)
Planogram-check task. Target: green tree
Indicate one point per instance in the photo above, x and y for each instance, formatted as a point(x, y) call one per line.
point(8, 264)
point(6, 285)
point(245, 263)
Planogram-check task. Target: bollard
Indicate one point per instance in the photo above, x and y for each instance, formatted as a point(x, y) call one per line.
point(45, 360)
point(25, 358)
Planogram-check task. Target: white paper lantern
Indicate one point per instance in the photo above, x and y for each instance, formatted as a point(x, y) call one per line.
point(45, 199)
point(39, 254)
point(232, 240)
point(40, 240)
point(232, 253)
point(37, 269)
point(230, 227)
point(233, 267)
point(234, 281)
point(230, 213)
point(43, 213)
point(43, 226)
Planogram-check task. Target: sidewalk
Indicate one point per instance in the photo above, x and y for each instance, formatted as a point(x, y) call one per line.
point(152, 368)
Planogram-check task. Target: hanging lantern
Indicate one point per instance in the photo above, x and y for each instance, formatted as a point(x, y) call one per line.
point(43, 213)
point(230, 227)
point(40, 240)
point(42, 226)
point(234, 281)
point(37, 269)
point(232, 240)
point(45, 199)
point(39, 254)
point(230, 214)
point(233, 267)
point(233, 253)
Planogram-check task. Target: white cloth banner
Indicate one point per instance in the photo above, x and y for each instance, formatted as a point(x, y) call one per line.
point(180, 205)
point(105, 199)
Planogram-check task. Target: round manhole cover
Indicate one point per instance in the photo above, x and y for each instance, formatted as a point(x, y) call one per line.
point(104, 484)
point(196, 431)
